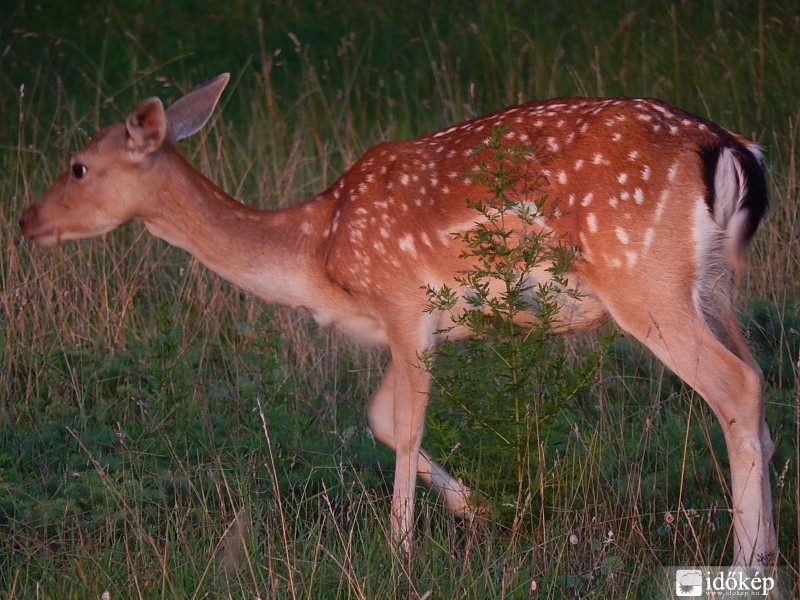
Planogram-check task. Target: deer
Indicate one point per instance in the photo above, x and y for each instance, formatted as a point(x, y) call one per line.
point(659, 204)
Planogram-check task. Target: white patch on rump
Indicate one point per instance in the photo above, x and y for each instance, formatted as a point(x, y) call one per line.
point(709, 255)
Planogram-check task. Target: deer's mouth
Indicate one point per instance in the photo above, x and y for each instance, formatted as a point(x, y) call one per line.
point(32, 228)
point(45, 239)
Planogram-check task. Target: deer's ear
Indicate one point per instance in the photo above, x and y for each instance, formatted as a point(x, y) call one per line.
point(147, 126)
point(189, 113)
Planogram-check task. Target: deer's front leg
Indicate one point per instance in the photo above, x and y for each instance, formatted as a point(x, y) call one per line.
point(455, 494)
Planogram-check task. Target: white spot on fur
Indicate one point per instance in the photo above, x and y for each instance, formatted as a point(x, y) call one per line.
point(668, 114)
point(591, 222)
point(631, 258)
point(586, 251)
point(622, 177)
point(622, 235)
point(406, 244)
point(661, 206)
point(649, 235)
point(672, 172)
point(587, 199)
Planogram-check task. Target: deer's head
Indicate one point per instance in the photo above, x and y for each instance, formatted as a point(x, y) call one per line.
point(110, 181)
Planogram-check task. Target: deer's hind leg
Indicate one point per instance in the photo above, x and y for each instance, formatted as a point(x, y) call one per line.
point(710, 354)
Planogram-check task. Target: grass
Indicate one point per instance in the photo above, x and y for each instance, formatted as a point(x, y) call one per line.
point(162, 435)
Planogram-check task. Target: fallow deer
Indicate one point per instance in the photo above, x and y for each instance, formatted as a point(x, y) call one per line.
point(659, 204)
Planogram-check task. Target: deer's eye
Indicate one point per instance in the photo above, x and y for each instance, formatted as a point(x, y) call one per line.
point(79, 170)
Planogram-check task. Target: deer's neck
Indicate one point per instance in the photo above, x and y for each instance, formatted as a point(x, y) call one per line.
point(276, 255)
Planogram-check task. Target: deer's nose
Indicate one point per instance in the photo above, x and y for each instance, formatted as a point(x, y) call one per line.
point(27, 218)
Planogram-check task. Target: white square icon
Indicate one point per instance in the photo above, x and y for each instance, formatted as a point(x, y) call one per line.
point(689, 583)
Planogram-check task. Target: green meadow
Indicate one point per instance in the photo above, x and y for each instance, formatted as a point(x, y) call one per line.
point(163, 435)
